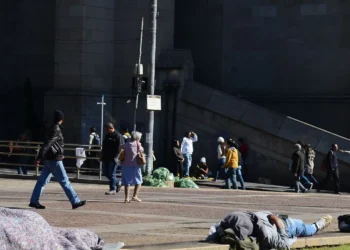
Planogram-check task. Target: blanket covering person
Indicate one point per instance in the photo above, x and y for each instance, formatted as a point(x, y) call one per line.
point(26, 230)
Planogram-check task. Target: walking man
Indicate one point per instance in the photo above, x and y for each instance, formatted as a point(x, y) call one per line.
point(304, 158)
point(110, 148)
point(331, 165)
point(187, 150)
point(298, 168)
point(52, 153)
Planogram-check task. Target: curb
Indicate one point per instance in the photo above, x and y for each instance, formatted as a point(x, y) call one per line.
point(247, 188)
point(321, 241)
point(180, 246)
point(33, 177)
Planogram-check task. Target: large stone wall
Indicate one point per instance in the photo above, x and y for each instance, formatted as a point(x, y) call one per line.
point(273, 52)
point(97, 44)
point(27, 51)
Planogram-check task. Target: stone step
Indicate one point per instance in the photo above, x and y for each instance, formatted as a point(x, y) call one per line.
point(325, 239)
point(180, 246)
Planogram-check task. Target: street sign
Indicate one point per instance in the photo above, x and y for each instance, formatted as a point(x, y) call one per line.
point(154, 102)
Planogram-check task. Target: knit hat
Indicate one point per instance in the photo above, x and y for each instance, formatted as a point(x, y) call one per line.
point(58, 116)
point(203, 160)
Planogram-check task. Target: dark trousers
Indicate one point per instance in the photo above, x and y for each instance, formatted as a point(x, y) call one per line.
point(179, 167)
point(335, 174)
point(22, 160)
point(110, 171)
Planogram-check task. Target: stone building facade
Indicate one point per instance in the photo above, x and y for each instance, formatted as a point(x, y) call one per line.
point(291, 56)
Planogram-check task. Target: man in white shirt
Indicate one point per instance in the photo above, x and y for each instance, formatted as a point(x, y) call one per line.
point(94, 139)
point(187, 150)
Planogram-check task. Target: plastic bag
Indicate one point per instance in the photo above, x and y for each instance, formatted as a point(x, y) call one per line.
point(161, 174)
point(147, 181)
point(170, 177)
point(152, 182)
point(185, 183)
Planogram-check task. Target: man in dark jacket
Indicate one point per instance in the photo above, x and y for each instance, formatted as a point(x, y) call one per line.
point(332, 169)
point(304, 158)
point(52, 152)
point(298, 168)
point(110, 148)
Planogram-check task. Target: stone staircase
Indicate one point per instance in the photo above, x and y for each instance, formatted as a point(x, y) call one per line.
point(270, 135)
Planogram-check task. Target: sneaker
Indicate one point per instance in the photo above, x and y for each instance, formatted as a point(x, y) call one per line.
point(114, 192)
point(36, 206)
point(324, 222)
point(311, 185)
point(79, 204)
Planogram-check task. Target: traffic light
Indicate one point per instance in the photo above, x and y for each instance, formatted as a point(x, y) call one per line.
point(144, 83)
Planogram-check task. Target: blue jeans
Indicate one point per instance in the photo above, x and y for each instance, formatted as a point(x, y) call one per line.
point(56, 169)
point(311, 178)
point(187, 164)
point(219, 167)
point(306, 180)
point(232, 174)
point(110, 171)
point(297, 228)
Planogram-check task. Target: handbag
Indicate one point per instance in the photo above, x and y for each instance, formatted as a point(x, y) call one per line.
point(121, 156)
point(140, 157)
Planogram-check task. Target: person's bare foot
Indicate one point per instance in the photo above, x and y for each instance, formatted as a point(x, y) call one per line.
point(136, 199)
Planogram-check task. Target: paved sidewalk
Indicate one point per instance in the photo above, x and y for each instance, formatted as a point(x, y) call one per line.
point(93, 179)
point(166, 215)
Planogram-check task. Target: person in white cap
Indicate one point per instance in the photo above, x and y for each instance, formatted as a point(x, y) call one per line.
point(201, 170)
point(221, 157)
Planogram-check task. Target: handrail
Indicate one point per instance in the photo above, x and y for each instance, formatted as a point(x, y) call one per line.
point(40, 143)
point(36, 146)
point(65, 157)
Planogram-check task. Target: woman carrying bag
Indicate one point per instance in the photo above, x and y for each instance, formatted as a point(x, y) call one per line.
point(132, 160)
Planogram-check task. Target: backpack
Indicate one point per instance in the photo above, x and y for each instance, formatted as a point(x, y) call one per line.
point(344, 223)
point(96, 140)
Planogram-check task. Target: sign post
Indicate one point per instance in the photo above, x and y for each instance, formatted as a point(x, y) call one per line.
point(102, 103)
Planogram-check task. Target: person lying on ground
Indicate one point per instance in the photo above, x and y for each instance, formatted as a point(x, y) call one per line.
point(263, 230)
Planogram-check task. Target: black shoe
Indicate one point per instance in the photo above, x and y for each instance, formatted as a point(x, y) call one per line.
point(118, 188)
point(337, 193)
point(80, 204)
point(37, 206)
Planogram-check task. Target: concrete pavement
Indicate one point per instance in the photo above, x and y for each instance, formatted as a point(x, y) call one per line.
point(168, 215)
